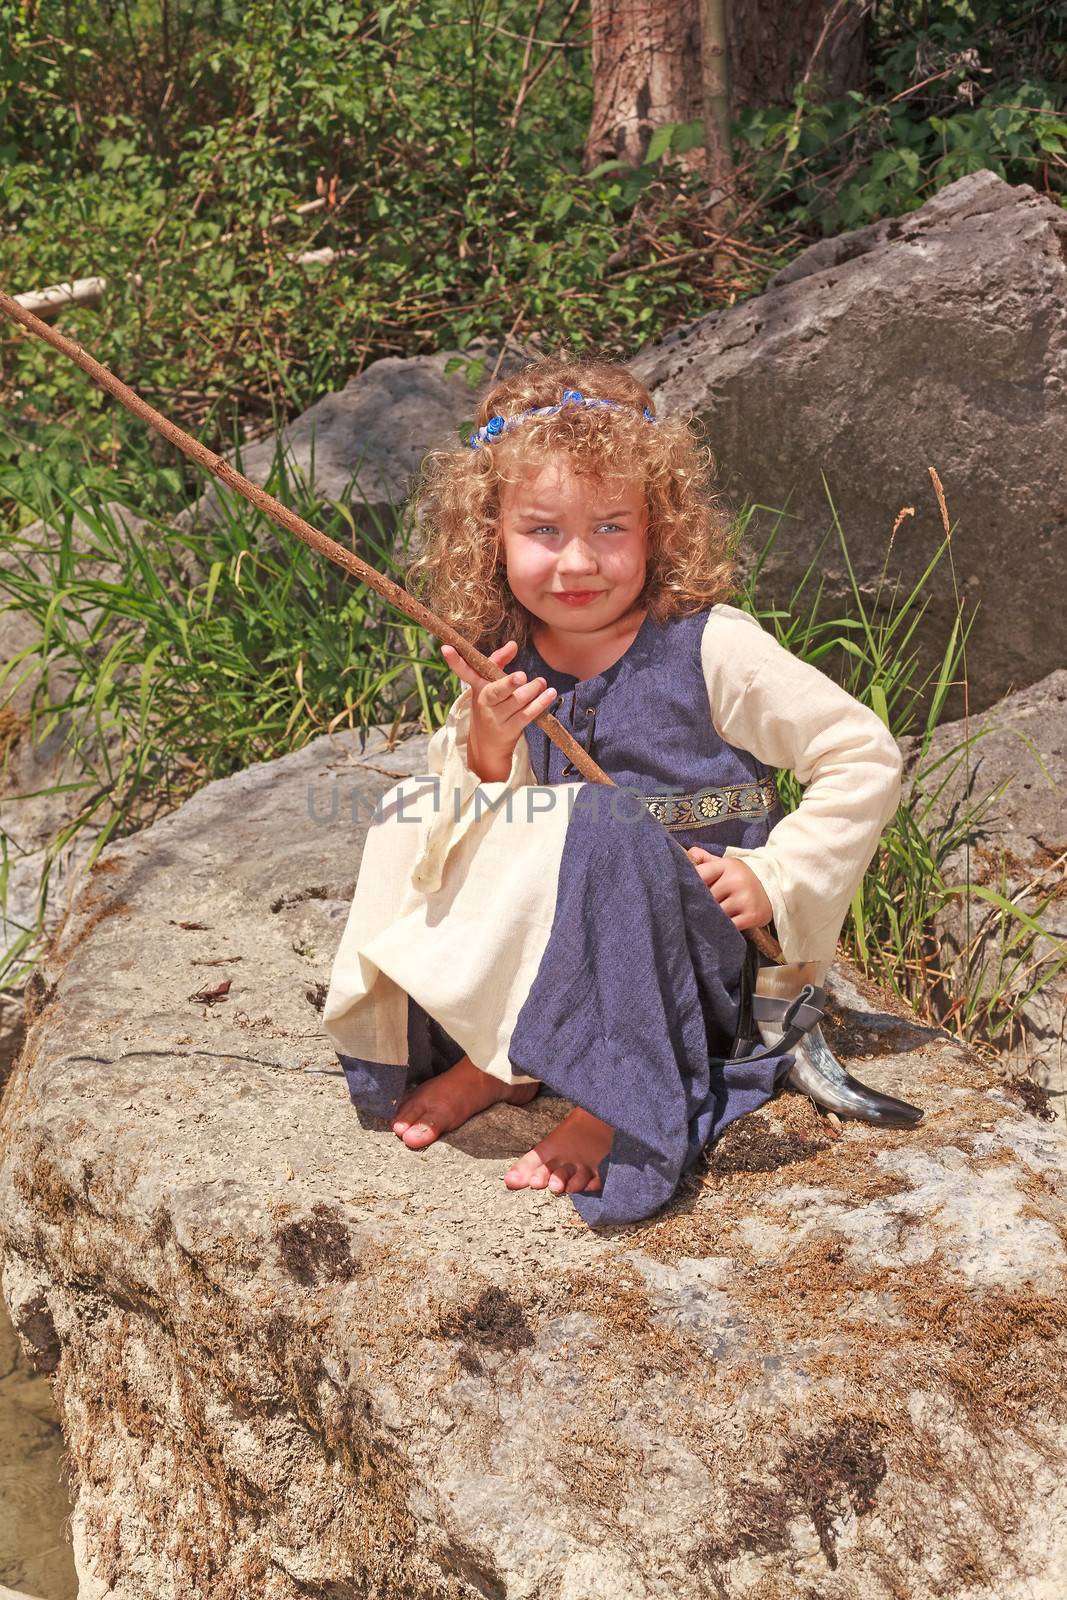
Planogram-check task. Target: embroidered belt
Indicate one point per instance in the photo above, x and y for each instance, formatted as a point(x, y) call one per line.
point(739, 801)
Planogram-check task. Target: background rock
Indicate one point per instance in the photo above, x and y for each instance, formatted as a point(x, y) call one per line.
point(938, 338)
point(935, 339)
point(364, 443)
point(294, 1358)
point(1018, 847)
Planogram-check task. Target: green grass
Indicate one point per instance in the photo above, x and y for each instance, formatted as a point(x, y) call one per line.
point(195, 654)
point(891, 929)
point(175, 658)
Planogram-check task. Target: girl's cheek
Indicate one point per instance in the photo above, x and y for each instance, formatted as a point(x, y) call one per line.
point(529, 574)
point(536, 564)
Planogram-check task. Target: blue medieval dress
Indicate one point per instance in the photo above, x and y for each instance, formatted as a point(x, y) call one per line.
point(555, 930)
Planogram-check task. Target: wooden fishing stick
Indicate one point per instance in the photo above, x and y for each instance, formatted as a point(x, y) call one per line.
point(320, 542)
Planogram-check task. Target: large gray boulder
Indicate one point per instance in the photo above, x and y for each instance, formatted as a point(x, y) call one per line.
point(363, 444)
point(936, 339)
point(1006, 769)
point(294, 1358)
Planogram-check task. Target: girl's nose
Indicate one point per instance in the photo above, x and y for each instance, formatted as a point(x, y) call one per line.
point(577, 556)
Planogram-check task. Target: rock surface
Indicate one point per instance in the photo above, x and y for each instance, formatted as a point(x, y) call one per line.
point(294, 1358)
point(935, 339)
point(1017, 761)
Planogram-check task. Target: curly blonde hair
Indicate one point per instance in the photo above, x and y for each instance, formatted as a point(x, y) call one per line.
point(459, 568)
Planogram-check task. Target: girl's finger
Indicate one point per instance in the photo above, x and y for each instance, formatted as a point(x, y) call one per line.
point(496, 693)
point(467, 674)
point(733, 905)
point(521, 696)
point(527, 702)
point(544, 702)
point(501, 657)
point(454, 660)
point(748, 920)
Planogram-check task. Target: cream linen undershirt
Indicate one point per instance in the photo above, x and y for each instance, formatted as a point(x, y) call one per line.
point(786, 713)
point(456, 812)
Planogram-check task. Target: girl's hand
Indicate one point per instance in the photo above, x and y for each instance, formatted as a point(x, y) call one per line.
point(500, 710)
point(735, 887)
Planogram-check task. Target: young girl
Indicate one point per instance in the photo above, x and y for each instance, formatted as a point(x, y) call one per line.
point(513, 925)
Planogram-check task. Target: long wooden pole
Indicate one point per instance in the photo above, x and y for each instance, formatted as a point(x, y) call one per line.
point(281, 514)
point(400, 598)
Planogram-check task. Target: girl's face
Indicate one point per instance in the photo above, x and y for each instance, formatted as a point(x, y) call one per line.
point(575, 548)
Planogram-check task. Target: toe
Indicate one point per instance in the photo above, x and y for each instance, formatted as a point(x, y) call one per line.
point(583, 1180)
point(420, 1134)
point(518, 1176)
point(407, 1113)
point(540, 1176)
point(562, 1174)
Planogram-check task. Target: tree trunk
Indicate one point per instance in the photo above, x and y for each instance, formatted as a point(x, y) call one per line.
point(647, 62)
point(773, 43)
point(715, 66)
point(646, 71)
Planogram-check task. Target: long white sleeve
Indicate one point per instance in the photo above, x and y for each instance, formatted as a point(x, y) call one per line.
point(787, 713)
point(455, 807)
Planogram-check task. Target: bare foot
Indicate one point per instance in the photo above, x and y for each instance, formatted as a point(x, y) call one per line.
point(566, 1160)
point(448, 1100)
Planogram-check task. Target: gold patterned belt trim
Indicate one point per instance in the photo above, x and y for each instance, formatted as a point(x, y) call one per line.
point(727, 803)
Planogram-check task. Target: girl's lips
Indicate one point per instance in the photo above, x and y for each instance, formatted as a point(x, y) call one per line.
point(579, 597)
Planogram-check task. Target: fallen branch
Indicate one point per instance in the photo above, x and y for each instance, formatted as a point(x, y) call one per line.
point(221, 469)
point(48, 303)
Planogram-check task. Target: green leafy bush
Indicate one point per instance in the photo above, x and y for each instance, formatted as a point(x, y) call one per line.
point(445, 218)
point(169, 147)
point(955, 87)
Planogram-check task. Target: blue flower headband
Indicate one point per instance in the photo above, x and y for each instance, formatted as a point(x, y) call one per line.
point(571, 397)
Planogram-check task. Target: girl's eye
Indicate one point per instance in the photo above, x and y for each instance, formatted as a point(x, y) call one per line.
point(547, 527)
